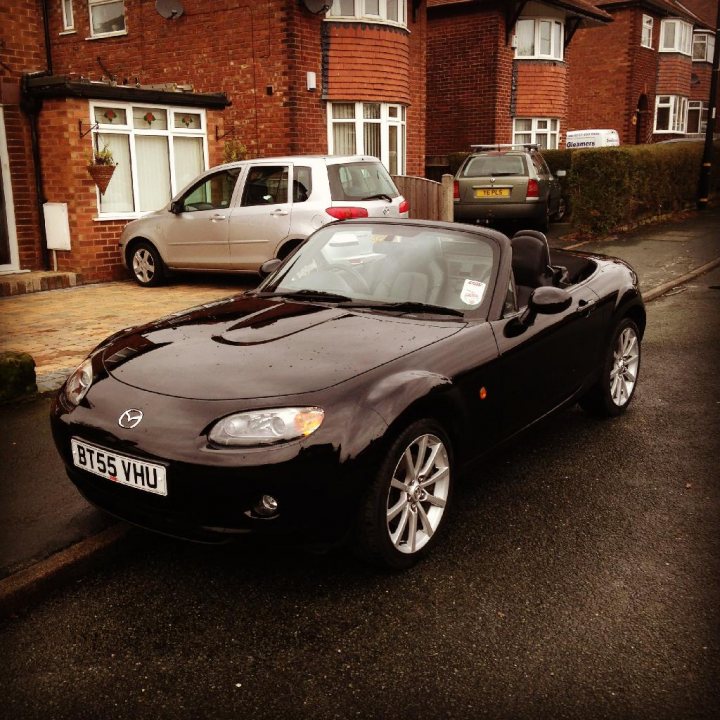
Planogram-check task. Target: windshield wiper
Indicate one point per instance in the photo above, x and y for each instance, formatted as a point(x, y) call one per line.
point(378, 196)
point(406, 306)
point(305, 294)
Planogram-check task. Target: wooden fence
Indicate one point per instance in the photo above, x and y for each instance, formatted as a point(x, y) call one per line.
point(429, 200)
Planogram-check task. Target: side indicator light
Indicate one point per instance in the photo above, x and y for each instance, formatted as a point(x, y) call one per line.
point(483, 393)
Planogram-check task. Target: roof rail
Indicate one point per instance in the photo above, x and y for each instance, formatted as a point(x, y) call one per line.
point(524, 146)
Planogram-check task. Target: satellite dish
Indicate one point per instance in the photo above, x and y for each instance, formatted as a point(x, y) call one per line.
point(317, 6)
point(169, 9)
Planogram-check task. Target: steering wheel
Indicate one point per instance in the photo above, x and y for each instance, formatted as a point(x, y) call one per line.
point(352, 278)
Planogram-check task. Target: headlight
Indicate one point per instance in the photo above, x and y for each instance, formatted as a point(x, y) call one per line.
point(79, 383)
point(265, 427)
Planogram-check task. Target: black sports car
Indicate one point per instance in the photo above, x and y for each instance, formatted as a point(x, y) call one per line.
point(342, 397)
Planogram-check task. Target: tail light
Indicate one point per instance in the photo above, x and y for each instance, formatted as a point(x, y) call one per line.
point(347, 213)
point(456, 190)
point(404, 206)
point(533, 190)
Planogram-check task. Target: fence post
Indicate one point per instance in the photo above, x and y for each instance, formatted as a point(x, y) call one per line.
point(446, 198)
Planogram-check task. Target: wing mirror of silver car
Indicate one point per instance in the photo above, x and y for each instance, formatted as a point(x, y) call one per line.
point(176, 207)
point(546, 300)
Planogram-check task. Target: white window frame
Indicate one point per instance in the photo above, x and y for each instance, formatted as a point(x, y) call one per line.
point(551, 132)
point(677, 106)
point(701, 108)
point(360, 13)
point(97, 3)
point(682, 37)
point(557, 44)
point(127, 129)
point(707, 40)
point(646, 38)
point(68, 16)
point(385, 121)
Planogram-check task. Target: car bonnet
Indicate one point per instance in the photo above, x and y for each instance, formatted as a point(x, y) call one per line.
point(249, 347)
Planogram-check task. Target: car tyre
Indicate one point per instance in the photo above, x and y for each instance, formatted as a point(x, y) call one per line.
point(612, 393)
point(407, 503)
point(559, 213)
point(146, 265)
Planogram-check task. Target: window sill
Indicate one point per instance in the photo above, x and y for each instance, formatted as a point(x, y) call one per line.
point(114, 217)
point(368, 21)
point(675, 52)
point(69, 31)
point(104, 36)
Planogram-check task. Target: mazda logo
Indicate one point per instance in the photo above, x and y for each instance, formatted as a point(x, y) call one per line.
point(130, 419)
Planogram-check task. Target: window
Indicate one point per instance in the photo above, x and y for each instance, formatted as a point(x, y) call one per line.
point(539, 38)
point(697, 116)
point(545, 132)
point(158, 151)
point(266, 185)
point(213, 193)
point(703, 47)
point(107, 17)
point(67, 12)
point(670, 114)
point(368, 129)
point(676, 36)
point(647, 31)
point(378, 10)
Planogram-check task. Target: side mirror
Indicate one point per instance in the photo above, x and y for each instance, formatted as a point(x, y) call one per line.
point(545, 300)
point(269, 267)
point(176, 207)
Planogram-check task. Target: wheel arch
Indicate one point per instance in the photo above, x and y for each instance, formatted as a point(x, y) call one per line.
point(133, 242)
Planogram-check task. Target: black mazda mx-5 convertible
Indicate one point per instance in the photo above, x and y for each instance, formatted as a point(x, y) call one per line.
point(343, 396)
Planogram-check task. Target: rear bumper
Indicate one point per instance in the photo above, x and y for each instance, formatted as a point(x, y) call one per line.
point(485, 212)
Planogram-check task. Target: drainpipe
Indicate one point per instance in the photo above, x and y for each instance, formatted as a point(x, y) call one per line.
point(706, 168)
point(46, 27)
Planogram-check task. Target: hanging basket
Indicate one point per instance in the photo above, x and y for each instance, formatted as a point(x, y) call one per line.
point(101, 174)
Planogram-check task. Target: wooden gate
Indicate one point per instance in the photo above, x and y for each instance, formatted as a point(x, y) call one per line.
point(429, 200)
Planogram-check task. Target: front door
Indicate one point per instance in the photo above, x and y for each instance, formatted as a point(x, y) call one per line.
point(8, 240)
point(197, 233)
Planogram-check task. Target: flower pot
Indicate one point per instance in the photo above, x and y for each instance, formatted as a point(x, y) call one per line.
point(102, 175)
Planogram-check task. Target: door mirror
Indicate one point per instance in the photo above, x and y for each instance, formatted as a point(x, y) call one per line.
point(269, 267)
point(177, 207)
point(546, 300)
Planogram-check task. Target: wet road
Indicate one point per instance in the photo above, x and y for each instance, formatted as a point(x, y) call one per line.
point(579, 578)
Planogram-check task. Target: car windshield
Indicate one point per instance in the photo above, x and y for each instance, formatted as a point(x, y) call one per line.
point(495, 165)
point(391, 267)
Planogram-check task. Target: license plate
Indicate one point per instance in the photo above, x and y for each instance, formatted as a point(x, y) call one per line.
point(492, 192)
point(119, 468)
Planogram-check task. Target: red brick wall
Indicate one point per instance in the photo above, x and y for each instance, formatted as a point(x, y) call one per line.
point(464, 79)
point(542, 89)
point(700, 90)
point(22, 51)
point(674, 72)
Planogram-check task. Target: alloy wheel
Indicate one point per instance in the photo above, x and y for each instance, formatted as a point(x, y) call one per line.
point(418, 494)
point(623, 374)
point(144, 265)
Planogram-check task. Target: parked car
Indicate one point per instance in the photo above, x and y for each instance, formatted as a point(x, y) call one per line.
point(234, 217)
point(342, 398)
point(507, 183)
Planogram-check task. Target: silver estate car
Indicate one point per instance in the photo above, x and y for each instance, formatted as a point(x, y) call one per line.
point(507, 183)
point(234, 217)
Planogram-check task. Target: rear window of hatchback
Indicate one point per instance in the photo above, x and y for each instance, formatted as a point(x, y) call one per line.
point(495, 166)
point(360, 181)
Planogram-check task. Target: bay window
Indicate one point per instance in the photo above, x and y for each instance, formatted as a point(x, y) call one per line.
point(158, 150)
point(703, 47)
point(380, 10)
point(676, 36)
point(360, 128)
point(544, 132)
point(670, 113)
point(539, 38)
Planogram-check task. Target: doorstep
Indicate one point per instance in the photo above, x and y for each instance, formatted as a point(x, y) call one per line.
point(30, 282)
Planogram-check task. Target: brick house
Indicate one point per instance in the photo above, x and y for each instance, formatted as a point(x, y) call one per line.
point(647, 74)
point(168, 92)
point(497, 71)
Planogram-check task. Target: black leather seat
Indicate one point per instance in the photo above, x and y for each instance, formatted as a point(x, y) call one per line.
point(530, 264)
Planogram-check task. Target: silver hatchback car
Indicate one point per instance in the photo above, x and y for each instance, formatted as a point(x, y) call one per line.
point(234, 217)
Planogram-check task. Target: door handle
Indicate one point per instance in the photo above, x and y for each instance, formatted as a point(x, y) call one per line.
point(585, 307)
point(280, 211)
point(218, 218)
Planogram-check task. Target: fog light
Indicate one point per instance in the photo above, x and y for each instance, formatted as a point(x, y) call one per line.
point(267, 507)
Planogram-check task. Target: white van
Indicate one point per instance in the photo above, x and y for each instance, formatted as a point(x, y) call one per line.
point(591, 139)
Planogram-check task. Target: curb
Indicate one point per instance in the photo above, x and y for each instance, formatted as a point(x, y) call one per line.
point(25, 586)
